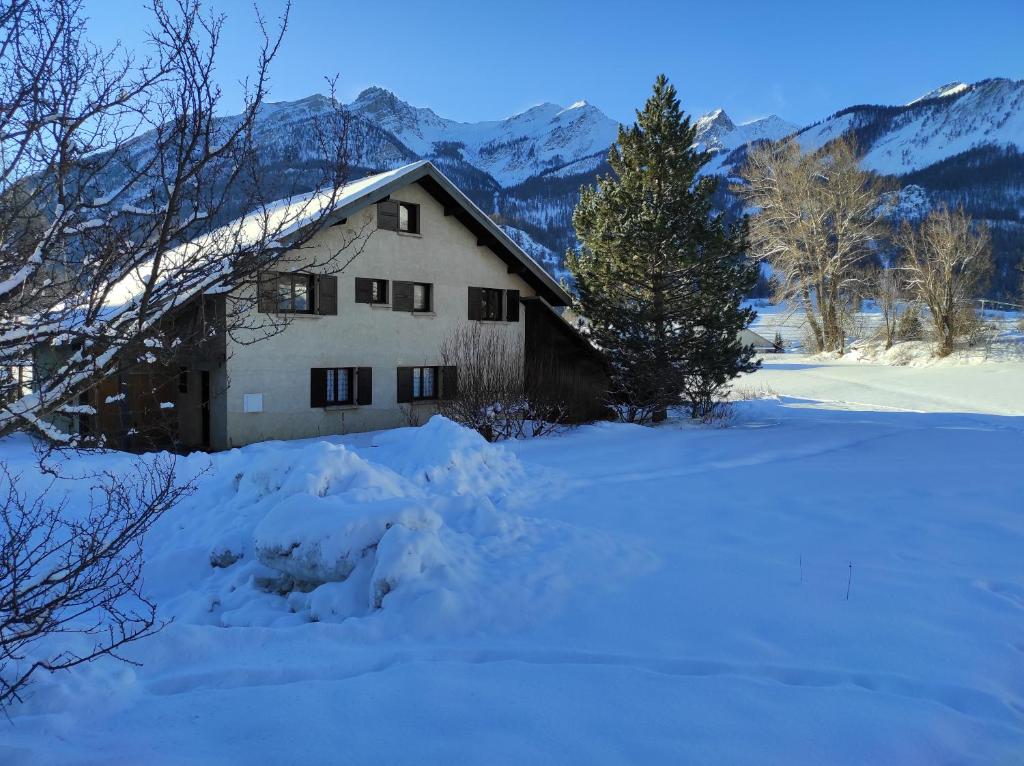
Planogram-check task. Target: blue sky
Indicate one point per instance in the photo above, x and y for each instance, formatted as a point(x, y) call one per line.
point(472, 61)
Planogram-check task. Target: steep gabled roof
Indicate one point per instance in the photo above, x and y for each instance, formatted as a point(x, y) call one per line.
point(355, 196)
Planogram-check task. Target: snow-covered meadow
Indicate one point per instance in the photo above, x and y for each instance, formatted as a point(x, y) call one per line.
point(836, 577)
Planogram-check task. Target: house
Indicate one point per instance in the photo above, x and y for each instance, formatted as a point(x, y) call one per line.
point(760, 343)
point(360, 348)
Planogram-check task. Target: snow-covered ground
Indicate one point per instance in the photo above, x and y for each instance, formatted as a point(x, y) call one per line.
point(615, 594)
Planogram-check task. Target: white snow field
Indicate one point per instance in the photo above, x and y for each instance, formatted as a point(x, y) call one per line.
point(836, 578)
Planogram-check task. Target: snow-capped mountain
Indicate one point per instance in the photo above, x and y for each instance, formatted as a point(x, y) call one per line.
point(959, 143)
point(543, 138)
point(718, 134)
point(945, 122)
point(715, 131)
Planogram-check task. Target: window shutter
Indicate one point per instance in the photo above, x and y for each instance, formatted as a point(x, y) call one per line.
point(449, 382)
point(318, 387)
point(326, 294)
point(267, 300)
point(475, 299)
point(364, 290)
point(404, 384)
point(401, 296)
point(387, 215)
point(511, 305)
point(364, 385)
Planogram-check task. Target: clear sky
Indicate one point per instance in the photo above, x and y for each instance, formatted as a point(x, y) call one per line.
point(477, 60)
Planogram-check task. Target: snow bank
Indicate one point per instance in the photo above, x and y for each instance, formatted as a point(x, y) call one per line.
point(414, 532)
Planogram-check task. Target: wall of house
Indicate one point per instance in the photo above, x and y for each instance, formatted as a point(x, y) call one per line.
point(445, 254)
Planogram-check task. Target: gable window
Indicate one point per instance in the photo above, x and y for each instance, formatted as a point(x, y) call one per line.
point(488, 304)
point(412, 296)
point(421, 298)
point(372, 291)
point(295, 293)
point(339, 385)
point(408, 218)
point(493, 305)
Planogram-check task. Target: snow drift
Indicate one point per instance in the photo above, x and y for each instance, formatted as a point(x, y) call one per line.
point(412, 530)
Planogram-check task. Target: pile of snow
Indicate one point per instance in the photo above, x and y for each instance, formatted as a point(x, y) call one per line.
point(414, 533)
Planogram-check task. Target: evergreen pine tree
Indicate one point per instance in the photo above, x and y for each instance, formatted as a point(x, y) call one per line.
point(659, 275)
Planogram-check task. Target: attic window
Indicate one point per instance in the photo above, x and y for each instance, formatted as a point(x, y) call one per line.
point(408, 218)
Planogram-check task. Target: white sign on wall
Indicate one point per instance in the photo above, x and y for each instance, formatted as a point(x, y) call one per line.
point(252, 402)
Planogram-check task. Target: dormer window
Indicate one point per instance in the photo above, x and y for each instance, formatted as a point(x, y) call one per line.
point(408, 218)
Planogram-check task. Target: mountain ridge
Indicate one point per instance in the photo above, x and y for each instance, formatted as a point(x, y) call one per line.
point(959, 143)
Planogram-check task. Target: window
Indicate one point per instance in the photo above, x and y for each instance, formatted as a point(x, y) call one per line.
point(490, 304)
point(339, 385)
point(424, 383)
point(372, 291)
point(493, 305)
point(295, 293)
point(412, 296)
point(421, 296)
point(416, 384)
point(330, 386)
point(408, 218)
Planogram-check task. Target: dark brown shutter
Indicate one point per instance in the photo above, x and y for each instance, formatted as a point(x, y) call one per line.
point(387, 215)
point(326, 294)
point(318, 387)
point(364, 290)
point(401, 296)
point(511, 305)
point(364, 385)
point(449, 382)
point(475, 299)
point(267, 302)
point(404, 384)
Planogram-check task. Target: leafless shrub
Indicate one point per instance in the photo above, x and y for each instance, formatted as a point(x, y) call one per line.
point(720, 414)
point(746, 394)
point(412, 416)
point(499, 394)
point(65, 573)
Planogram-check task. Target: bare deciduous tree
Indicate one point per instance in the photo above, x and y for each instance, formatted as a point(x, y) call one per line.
point(886, 287)
point(108, 235)
point(948, 262)
point(818, 216)
point(66, 572)
point(103, 233)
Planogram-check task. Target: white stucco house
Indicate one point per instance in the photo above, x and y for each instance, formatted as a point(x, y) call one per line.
point(360, 348)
